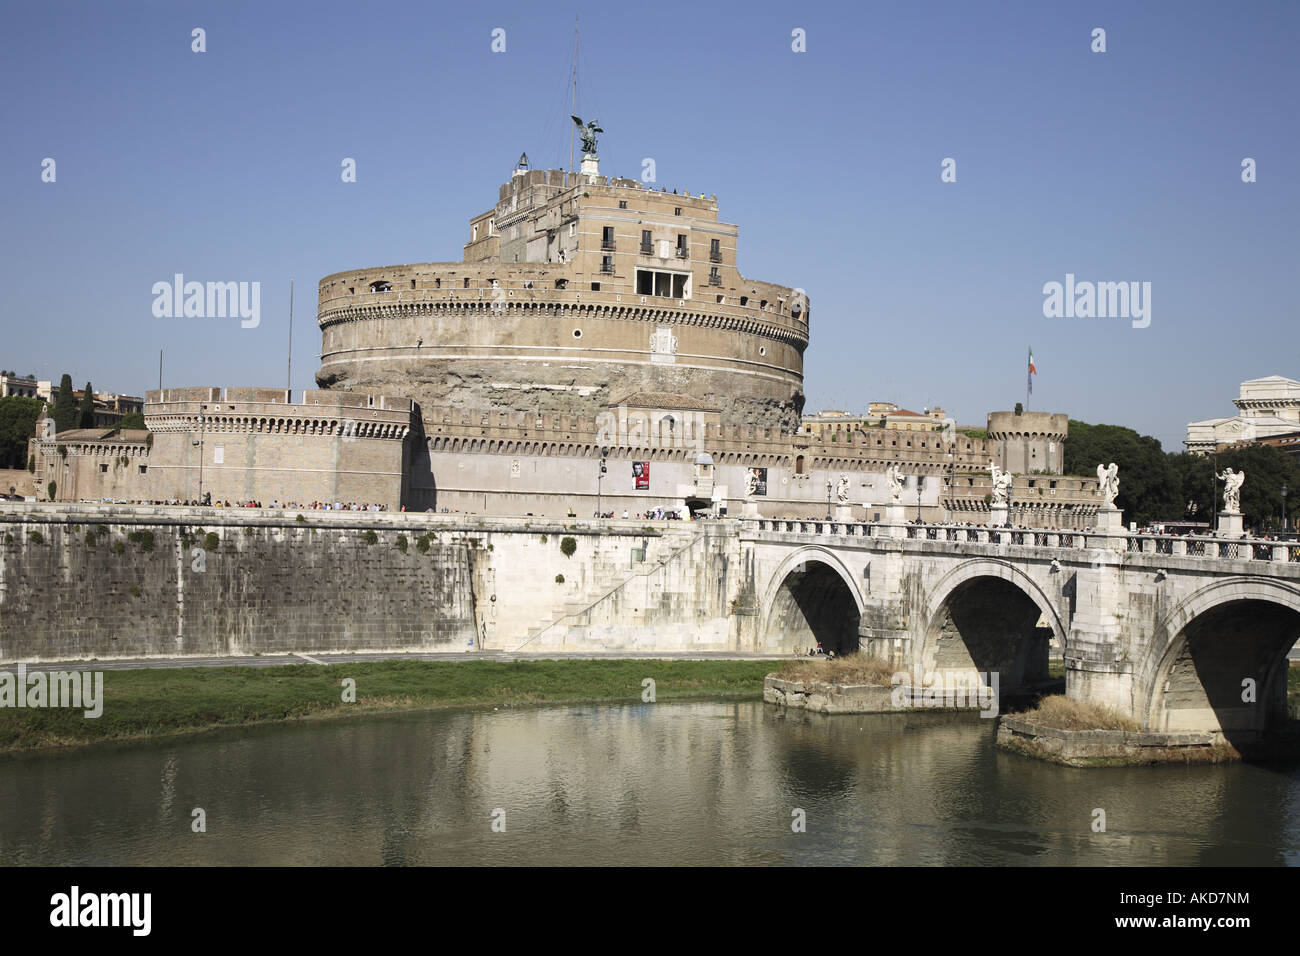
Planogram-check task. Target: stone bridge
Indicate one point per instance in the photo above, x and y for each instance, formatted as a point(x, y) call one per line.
point(1180, 633)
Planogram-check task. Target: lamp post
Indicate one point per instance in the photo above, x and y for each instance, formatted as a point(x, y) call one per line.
point(1284, 519)
point(199, 443)
point(952, 476)
point(920, 483)
point(828, 499)
point(600, 476)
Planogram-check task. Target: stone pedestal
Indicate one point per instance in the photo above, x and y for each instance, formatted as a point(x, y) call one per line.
point(843, 512)
point(997, 516)
point(749, 509)
point(893, 515)
point(1230, 525)
point(1110, 521)
point(590, 166)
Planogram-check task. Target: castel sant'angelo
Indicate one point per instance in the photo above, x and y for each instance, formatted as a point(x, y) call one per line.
point(597, 349)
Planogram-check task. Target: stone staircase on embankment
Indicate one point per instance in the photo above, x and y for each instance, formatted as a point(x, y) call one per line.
point(570, 626)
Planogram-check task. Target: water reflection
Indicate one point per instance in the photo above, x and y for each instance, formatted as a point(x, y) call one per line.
point(697, 783)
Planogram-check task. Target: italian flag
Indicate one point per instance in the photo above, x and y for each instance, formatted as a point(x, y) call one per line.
point(1032, 371)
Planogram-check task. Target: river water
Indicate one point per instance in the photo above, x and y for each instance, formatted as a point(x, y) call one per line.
point(667, 783)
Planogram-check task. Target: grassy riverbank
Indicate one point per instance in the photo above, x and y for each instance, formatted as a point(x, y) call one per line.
point(153, 703)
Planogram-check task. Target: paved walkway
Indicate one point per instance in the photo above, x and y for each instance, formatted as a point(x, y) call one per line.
point(280, 660)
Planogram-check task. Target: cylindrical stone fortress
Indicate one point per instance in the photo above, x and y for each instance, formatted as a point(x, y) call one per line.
point(576, 291)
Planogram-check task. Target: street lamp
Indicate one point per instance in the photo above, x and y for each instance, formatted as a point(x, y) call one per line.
point(1284, 521)
point(952, 476)
point(828, 499)
point(920, 483)
point(604, 452)
point(199, 443)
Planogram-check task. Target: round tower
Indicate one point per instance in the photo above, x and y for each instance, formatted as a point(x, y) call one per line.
point(1030, 442)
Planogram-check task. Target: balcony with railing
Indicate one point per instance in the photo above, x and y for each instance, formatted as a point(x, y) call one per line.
point(607, 245)
point(647, 249)
point(682, 252)
point(715, 255)
point(607, 267)
point(715, 279)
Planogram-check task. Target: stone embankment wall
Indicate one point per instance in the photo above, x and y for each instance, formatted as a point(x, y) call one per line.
point(85, 581)
point(99, 583)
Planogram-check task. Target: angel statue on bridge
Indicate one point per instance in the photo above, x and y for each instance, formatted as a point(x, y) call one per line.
point(1232, 482)
point(1001, 483)
point(895, 483)
point(1108, 484)
point(842, 489)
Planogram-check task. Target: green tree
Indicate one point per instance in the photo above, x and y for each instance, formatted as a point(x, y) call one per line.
point(1146, 492)
point(17, 424)
point(132, 420)
point(65, 405)
point(87, 419)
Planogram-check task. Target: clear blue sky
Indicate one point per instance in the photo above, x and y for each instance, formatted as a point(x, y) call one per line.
point(1117, 166)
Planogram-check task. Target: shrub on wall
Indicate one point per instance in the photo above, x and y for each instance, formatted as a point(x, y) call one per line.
point(143, 538)
point(568, 546)
point(370, 537)
point(35, 537)
point(559, 579)
point(211, 541)
point(91, 539)
point(52, 487)
point(401, 543)
point(422, 544)
point(119, 547)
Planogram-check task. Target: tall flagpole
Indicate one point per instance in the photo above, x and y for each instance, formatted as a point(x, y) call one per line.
point(574, 102)
point(289, 374)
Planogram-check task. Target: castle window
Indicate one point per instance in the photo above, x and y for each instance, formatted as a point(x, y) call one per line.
point(437, 283)
point(681, 246)
point(715, 277)
point(561, 284)
point(412, 283)
point(466, 282)
point(103, 469)
point(762, 350)
point(715, 250)
point(744, 300)
point(762, 304)
point(798, 465)
point(595, 287)
point(607, 265)
point(677, 211)
point(607, 238)
point(144, 469)
point(647, 244)
point(622, 204)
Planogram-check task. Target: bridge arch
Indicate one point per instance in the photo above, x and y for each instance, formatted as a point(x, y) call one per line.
point(983, 616)
point(1207, 645)
point(812, 598)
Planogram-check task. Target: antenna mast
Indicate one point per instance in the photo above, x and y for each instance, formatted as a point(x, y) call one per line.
point(574, 102)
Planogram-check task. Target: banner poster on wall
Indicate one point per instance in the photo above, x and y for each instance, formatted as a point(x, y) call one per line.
point(641, 475)
point(760, 480)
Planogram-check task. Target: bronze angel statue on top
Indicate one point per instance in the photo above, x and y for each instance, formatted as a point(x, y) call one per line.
point(588, 133)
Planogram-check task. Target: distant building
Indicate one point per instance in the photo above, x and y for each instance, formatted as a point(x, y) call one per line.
point(879, 415)
point(13, 384)
point(1268, 408)
point(110, 408)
